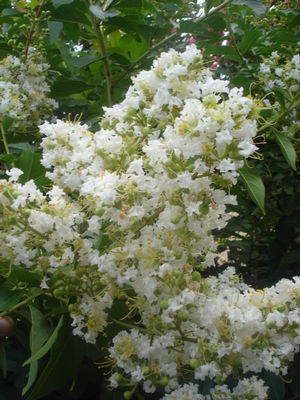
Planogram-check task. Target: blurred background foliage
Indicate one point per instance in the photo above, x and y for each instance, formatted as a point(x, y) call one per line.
point(93, 48)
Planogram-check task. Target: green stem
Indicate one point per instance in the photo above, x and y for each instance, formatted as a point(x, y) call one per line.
point(165, 41)
point(130, 326)
point(4, 139)
point(150, 220)
point(280, 116)
point(235, 45)
point(107, 69)
point(22, 303)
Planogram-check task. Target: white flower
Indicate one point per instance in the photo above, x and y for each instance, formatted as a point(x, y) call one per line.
point(14, 174)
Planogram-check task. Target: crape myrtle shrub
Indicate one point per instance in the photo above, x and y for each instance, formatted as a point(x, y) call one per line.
point(111, 285)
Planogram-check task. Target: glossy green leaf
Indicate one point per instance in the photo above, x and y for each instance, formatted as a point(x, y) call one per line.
point(8, 298)
point(276, 385)
point(7, 158)
point(208, 4)
point(216, 21)
point(62, 367)
point(29, 163)
point(55, 29)
point(287, 149)
point(254, 185)
point(249, 38)
point(227, 51)
point(283, 37)
point(77, 62)
point(58, 3)
point(131, 48)
point(256, 5)
point(47, 346)
point(101, 14)
point(40, 332)
point(64, 87)
point(11, 12)
point(20, 274)
point(7, 122)
point(72, 14)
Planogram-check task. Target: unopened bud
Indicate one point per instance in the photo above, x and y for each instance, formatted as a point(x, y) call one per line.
point(164, 304)
point(194, 363)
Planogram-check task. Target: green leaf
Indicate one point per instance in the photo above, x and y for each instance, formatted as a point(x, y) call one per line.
point(64, 87)
point(24, 275)
point(58, 3)
point(254, 185)
point(131, 48)
point(40, 332)
point(77, 62)
point(216, 21)
point(72, 14)
point(11, 12)
point(283, 37)
point(55, 29)
point(227, 51)
point(101, 14)
point(287, 149)
point(249, 38)
point(47, 346)
point(275, 384)
point(7, 158)
point(256, 6)
point(7, 122)
point(242, 80)
point(8, 299)
point(29, 163)
point(209, 4)
point(62, 367)
point(298, 301)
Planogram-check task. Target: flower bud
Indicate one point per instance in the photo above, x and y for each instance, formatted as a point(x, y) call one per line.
point(175, 219)
point(163, 381)
point(146, 370)
point(196, 276)
point(181, 315)
point(100, 211)
point(194, 363)
point(26, 212)
point(164, 304)
point(128, 395)
point(119, 378)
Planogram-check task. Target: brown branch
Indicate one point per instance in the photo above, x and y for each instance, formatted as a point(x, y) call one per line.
point(30, 33)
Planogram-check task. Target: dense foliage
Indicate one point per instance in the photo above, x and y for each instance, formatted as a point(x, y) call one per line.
point(113, 238)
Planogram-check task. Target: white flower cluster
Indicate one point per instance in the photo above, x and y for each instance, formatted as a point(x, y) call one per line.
point(246, 389)
point(24, 92)
point(282, 75)
point(221, 327)
point(130, 218)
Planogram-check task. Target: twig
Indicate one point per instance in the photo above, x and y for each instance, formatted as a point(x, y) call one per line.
point(4, 139)
point(30, 34)
point(107, 69)
point(280, 116)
